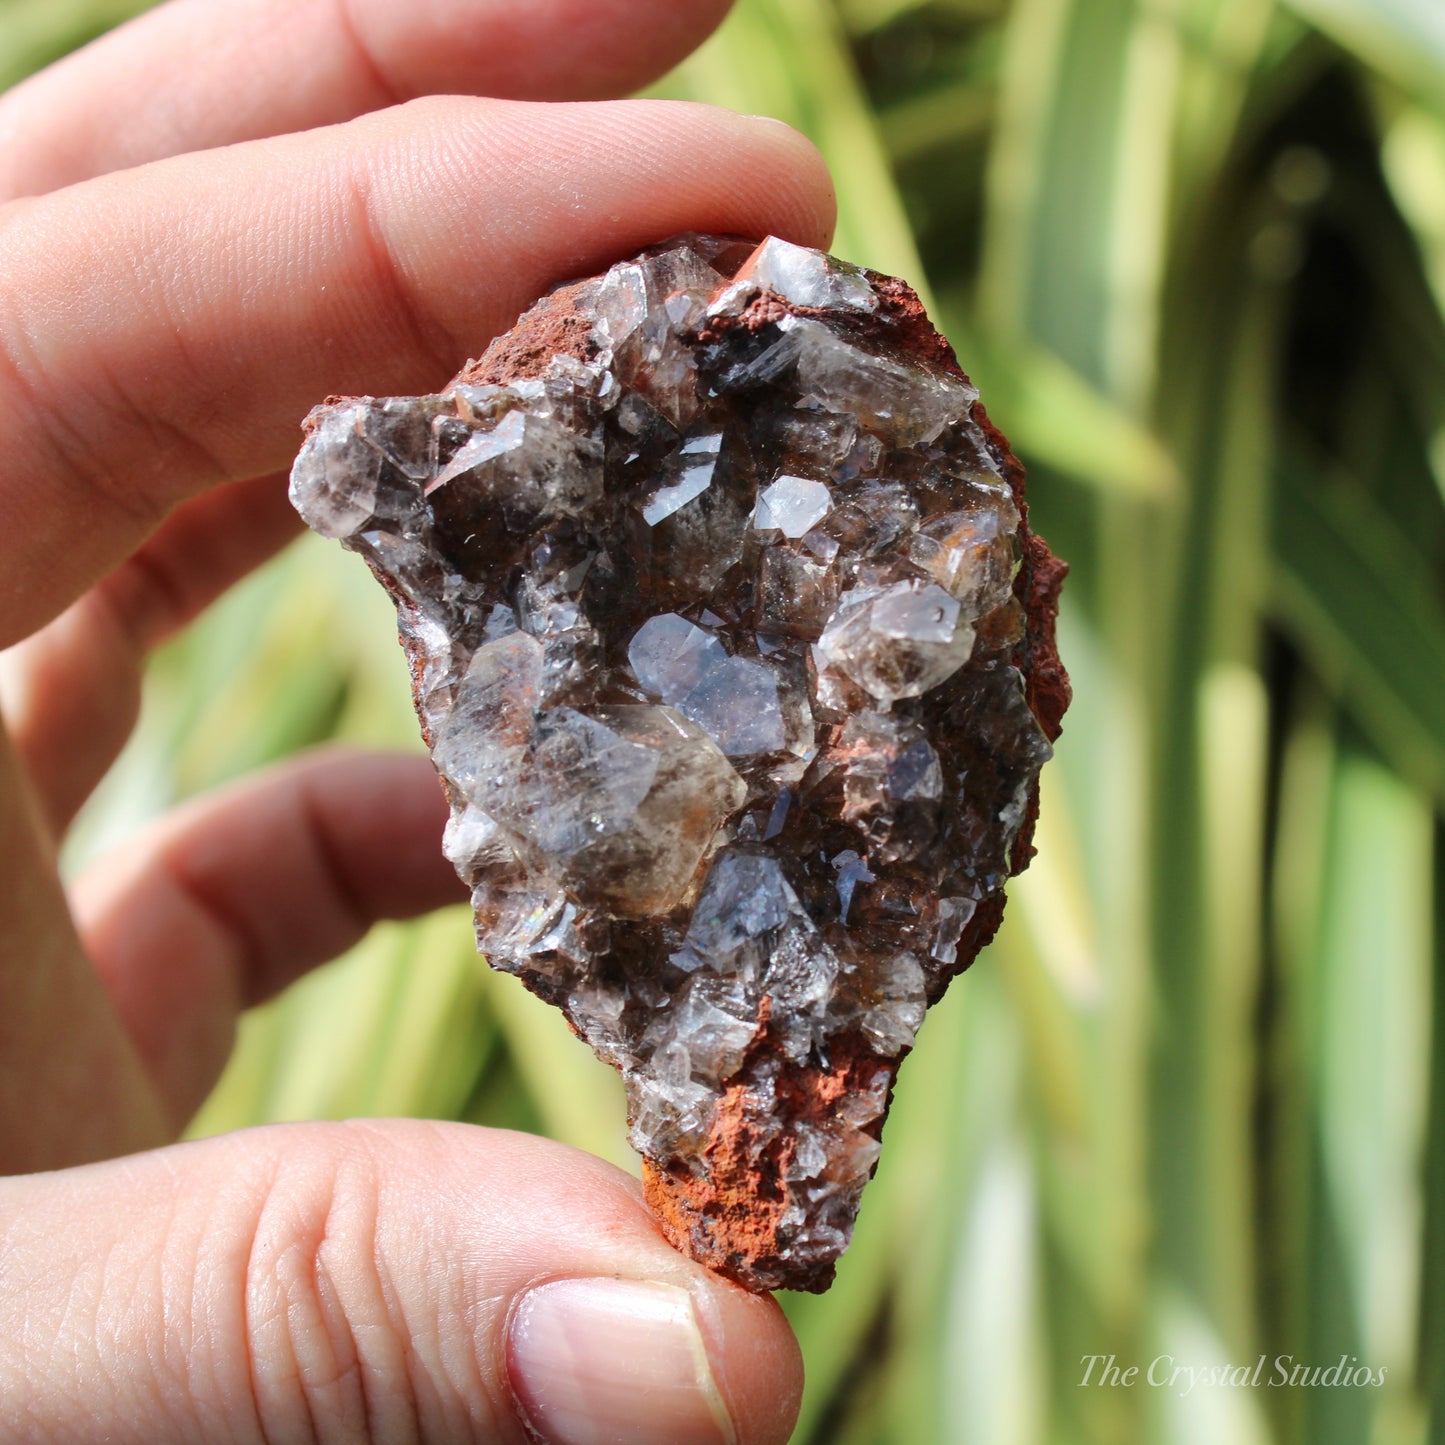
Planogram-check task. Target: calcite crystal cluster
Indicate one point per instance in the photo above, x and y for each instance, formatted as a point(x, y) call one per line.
point(735, 655)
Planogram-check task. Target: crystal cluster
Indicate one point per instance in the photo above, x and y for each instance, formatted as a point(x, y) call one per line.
point(735, 655)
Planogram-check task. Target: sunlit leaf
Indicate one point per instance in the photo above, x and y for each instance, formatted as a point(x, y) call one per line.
point(1405, 39)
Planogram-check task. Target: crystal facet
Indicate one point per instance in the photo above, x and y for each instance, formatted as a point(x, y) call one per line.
point(735, 654)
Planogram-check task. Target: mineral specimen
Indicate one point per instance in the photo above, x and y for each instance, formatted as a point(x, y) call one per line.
point(735, 655)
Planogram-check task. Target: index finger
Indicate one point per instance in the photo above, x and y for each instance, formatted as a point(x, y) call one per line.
point(165, 329)
point(192, 75)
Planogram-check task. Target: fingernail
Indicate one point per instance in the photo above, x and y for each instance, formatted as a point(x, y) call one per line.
point(614, 1362)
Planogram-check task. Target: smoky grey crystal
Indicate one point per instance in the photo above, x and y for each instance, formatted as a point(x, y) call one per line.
point(716, 627)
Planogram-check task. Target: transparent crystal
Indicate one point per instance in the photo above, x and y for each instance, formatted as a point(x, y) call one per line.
point(794, 505)
point(807, 278)
point(896, 641)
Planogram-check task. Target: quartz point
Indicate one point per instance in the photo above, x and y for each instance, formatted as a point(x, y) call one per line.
point(735, 654)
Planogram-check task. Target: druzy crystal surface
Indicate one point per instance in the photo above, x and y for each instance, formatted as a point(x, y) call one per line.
point(735, 655)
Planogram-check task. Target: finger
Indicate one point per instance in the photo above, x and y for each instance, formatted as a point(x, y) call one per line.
point(229, 899)
point(72, 1087)
point(373, 1281)
point(71, 692)
point(162, 330)
point(186, 77)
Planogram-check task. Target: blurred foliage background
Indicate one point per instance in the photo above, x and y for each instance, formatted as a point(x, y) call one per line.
point(1192, 1101)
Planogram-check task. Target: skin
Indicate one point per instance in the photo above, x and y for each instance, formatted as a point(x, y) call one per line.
point(213, 218)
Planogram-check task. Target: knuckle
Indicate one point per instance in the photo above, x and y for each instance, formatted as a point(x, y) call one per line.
point(368, 219)
point(327, 1353)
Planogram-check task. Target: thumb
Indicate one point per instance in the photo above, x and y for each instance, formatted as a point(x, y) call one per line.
point(389, 1281)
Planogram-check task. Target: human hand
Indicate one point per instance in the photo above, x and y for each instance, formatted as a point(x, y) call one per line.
point(214, 218)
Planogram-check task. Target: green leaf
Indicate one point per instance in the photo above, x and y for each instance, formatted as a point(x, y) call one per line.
point(35, 32)
point(1054, 416)
point(1365, 608)
point(1404, 39)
